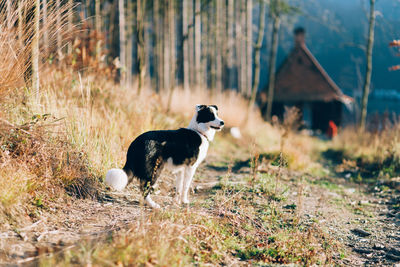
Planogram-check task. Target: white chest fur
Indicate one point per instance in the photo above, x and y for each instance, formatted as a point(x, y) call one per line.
point(202, 151)
point(203, 148)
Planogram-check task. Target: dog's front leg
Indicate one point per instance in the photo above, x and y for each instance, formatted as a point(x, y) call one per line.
point(179, 185)
point(189, 172)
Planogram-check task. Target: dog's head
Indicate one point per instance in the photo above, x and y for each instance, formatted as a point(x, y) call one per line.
point(207, 118)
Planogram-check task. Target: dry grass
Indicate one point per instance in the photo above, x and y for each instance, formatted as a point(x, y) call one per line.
point(83, 127)
point(232, 226)
point(369, 153)
point(16, 31)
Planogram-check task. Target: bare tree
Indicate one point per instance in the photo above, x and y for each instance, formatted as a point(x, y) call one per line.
point(35, 51)
point(230, 44)
point(257, 56)
point(192, 69)
point(197, 39)
point(243, 52)
point(218, 44)
point(249, 46)
point(140, 13)
point(239, 41)
point(274, 13)
point(205, 38)
point(277, 8)
point(122, 40)
point(172, 53)
point(185, 33)
point(159, 58)
point(131, 17)
point(98, 26)
point(167, 50)
point(367, 82)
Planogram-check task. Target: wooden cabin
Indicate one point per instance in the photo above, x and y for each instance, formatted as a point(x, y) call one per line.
point(302, 82)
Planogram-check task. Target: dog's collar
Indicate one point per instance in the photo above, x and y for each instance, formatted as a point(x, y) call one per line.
point(200, 133)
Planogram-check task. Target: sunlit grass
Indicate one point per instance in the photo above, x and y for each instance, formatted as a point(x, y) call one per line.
point(232, 224)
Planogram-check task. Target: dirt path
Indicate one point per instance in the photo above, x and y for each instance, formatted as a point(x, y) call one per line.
point(355, 217)
point(366, 223)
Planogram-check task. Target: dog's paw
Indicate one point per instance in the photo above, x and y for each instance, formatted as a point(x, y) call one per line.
point(151, 203)
point(177, 199)
point(156, 206)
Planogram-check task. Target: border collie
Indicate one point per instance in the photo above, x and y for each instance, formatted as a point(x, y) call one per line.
point(181, 151)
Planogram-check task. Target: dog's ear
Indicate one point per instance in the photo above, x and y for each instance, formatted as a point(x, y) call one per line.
point(214, 106)
point(200, 107)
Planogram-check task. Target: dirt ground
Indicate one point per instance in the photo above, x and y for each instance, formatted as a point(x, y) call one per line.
point(366, 220)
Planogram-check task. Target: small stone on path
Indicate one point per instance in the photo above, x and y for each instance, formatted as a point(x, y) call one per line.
point(360, 232)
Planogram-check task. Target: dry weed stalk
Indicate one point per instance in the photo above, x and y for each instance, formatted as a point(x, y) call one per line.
point(290, 123)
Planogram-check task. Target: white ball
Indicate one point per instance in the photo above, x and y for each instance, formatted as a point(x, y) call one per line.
point(116, 179)
point(235, 132)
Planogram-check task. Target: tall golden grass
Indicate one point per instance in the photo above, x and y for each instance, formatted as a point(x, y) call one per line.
point(16, 31)
point(375, 153)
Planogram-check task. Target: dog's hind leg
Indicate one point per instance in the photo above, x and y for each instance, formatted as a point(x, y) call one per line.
point(189, 172)
point(179, 185)
point(147, 189)
point(147, 185)
point(151, 203)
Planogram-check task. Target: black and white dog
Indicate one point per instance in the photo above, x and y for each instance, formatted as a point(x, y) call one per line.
point(181, 151)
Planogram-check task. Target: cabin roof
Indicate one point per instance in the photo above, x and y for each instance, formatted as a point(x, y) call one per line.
point(302, 78)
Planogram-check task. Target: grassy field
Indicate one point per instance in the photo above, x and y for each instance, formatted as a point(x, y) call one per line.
point(254, 199)
point(274, 196)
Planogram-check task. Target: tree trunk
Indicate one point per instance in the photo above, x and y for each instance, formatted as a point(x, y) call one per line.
point(172, 52)
point(185, 32)
point(129, 46)
point(272, 64)
point(98, 27)
point(172, 43)
point(197, 38)
point(238, 44)
point(35, 51)
point(167, 50)
point(192, 70)
point(140, 13)
point(204, 40)
point(218, 45)
point(257, 55)
point(230, 45)
point(249, 46)
point(243, 51)
point(158, 58)
point(122, 40)
point(367, 82)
